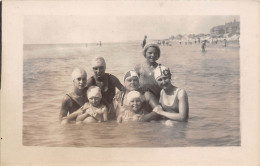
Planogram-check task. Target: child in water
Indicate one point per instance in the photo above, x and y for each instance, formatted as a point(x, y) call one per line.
point(133, 111)
point(93, 111)
point(151, 53)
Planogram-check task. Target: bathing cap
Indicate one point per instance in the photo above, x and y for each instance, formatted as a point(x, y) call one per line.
point(130, 73)
point(161, 71)
point(151, 45)
point(78, 72)
point(94, 91)
point(98, 61)
point(133, 95)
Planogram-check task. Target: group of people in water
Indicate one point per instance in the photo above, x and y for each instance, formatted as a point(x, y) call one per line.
point(147, 94)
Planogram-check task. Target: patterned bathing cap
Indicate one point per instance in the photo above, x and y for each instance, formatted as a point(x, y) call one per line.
point(98, 61)
point(133, 95)
point(161, 71)
point(94, 91)
point(151, 45)
point(130, 73)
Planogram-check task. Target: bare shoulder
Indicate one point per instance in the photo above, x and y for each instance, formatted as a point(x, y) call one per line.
point(149, 96)
point(66, 98)
point(182, 94)
point(137, 68)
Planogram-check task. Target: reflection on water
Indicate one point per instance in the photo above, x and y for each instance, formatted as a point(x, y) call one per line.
point(211, 80)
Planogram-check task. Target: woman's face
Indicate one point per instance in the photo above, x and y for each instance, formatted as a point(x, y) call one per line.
point(152, 54)
point(132, 83)
point(80, 80)
point(99, 71)
point(163, 82)
point(135, 104)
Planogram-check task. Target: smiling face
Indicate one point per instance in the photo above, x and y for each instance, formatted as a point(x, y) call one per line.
point(132, 83)
point(135, 104)
point(152, 54)
point(163, 81)
point(99, 70)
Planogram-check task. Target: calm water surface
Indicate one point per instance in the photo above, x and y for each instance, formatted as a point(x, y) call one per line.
point(211, 80)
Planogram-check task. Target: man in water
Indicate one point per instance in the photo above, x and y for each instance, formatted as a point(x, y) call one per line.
point(74, 100)
point(203, 45)
point(144, 41)
point(225, 41)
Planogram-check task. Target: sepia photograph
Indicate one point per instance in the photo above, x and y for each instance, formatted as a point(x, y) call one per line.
point(131, 81)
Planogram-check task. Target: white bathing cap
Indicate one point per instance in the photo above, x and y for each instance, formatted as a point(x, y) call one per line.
point(133, 95)
point(94, 91)
point(98, 61)
point(78, 72)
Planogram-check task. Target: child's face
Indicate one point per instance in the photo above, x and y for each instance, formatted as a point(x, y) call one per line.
point(135, 104)
point(152, 54)
point(94, 101)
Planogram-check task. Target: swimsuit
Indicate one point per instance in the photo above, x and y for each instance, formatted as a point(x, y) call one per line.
point(174, 106)
point(108, 89)
point(147, 80)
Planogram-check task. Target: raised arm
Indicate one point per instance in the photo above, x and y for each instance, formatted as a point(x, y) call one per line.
point(117, 83)
point(183, 114)
point(105, 114)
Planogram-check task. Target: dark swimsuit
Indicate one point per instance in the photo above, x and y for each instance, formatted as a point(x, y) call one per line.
point(108, 95)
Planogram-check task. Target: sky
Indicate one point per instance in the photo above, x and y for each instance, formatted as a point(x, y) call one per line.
point(92, 29)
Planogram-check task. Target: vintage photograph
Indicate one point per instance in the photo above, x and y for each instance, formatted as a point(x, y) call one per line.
point(131, 81)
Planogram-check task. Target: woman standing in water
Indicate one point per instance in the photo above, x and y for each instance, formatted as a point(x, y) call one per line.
point(106, 82)
point(74, 100)
point(145, 70)
point(174, 100)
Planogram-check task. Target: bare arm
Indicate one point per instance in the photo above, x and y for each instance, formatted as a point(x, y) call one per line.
point(105, 114)
point(137, 69)
point(116, 82)
point(64, 109)
point(75, 114)
point(153, 102)
point(183, 114)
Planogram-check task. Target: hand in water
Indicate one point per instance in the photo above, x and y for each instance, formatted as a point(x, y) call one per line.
point(136, 117)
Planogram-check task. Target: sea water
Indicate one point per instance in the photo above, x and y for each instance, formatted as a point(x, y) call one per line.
point(211, 79)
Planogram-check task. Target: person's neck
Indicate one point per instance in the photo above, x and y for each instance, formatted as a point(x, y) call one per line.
point(151, 64)
point(79, 92)
point(169, 89)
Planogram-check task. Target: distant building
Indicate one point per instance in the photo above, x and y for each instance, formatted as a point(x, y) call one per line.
point(217, 31)
point(232, 27)
point(229, 28)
